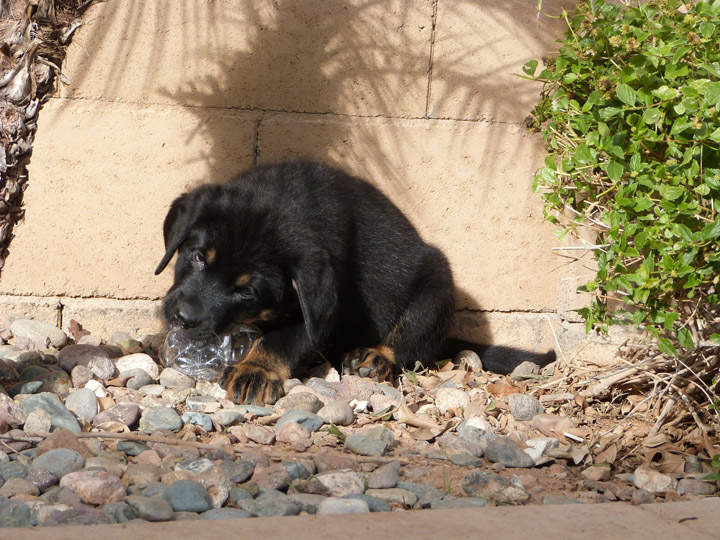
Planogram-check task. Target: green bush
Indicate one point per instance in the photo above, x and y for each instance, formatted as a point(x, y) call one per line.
point(629, 112)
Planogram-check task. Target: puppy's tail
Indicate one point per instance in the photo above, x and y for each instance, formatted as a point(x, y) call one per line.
point(496, 358)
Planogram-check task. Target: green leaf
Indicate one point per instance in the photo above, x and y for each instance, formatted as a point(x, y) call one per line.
point(626, 94)
point(666, 346)
point(707, 29)
point(530, 67)
point(680, 124)
point(671, 192)
point(715, 136)
point(615, 171)
point(685, 338)
point(711, 230)
point(651, 116)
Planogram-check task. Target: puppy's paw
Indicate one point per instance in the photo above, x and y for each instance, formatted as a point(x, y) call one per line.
point(257, 380)
point(377, 363)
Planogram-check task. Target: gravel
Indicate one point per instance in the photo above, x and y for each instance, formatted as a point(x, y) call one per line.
point(318, 450)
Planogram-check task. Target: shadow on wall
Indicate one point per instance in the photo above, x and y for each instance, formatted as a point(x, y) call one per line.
point(371, 59)
point(342, 82)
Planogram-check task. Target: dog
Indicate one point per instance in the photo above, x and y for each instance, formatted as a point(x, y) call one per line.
point(323, 264)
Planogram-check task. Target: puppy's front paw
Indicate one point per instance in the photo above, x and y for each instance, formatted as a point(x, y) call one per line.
point(377, 363)
point(257, 380)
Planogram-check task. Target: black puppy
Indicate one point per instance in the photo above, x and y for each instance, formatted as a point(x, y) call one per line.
point(321, 262)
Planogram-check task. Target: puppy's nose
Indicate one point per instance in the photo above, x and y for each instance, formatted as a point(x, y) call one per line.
point(186, 319)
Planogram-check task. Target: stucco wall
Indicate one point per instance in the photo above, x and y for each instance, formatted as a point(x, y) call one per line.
point(420, 97)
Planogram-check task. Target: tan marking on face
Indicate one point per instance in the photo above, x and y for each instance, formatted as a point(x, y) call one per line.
point(267, 315)
point(242, 280)
point(211, 255)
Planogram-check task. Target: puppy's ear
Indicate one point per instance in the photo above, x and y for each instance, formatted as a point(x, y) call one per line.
point(175, 228)
point(316, 285)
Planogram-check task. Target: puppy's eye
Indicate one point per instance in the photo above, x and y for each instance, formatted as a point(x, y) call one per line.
point(199, 258)
point(245, 293)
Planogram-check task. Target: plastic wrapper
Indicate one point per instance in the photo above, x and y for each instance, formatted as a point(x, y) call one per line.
point(208, 359)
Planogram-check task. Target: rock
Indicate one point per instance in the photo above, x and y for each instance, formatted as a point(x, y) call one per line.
point(60, 417)
point(83, 403)
point(18, 486)
point(331, 461)
point(641, 496)
point(23, 387)
point(326, 388)
point(141, 473)
point(11, 413)
point(39, 333)
point(218, 495)
point(464, 502)
point(205, 404)
point(504, 450)
point(538, 446)
point(37, 424)
point(173, 378)
point(336, 483)
point(525, 371)
point(696, 486)
point(61, 495)
point(128, 345)
point(466, 460)
point(150, 508)
point(238, 471)
point(653, 481)
point(337, 412)
point(81, 515)
point(353, 387)
point(59, 462)
point(119, 512)
point(385, 476)
point(468, 359)
point(490, 486)
point(452, 444)
point(596, 473)
point(366, 445)
point(311, 422)
point(80, 376)
point(15, 514)
point(154, 418)
point(111, 466)
point(299, 470)
point(63, 439)
point(188, 496)
point(259, 434)
point(42, 478)
point(13, 469)
point(273, 477)
point(94, 487)
point(294, 434)
point(268, 507)
point(425, 493)
point(381, 402)
point(692, 464)
point(254, 409)
point(307, 502)
point(125, 413)
point(525, 407)
point(238, 494)
point(198, 419)
point(132, 448)
point(551, 424)
point(229, 417)
point(96, 359)
point(225, 513)
point(451, 398)
point(336, 505)
point(304, 401)
point(55, 381)
point(199, 465)
point(136, 378)
point(375, 504)
point(393, 495)
point(138, 361)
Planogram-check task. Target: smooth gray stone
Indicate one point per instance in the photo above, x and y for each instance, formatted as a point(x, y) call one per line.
point(60, 417)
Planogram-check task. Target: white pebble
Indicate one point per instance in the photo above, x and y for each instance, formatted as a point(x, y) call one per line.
point(96, 387)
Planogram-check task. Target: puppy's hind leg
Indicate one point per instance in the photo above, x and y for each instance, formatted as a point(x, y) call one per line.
point(418, 332)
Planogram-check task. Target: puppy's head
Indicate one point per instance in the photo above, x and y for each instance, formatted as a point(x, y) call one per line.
point(225, 272)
